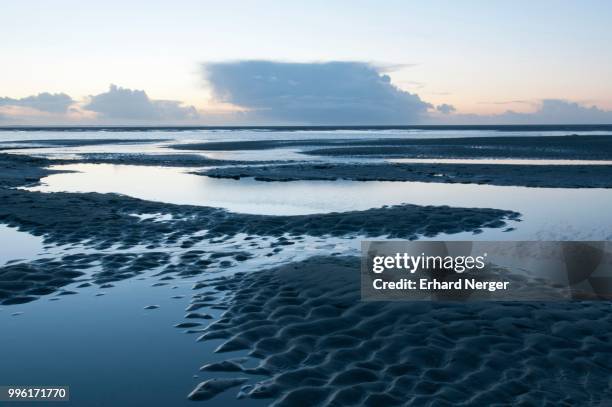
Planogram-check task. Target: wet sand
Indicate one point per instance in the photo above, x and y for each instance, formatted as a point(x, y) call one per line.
point(160, 160)
point(528, 147)
point(546, 176)
point(37, 143)
point(110, 221)
point(297, 333)
point(306, 327)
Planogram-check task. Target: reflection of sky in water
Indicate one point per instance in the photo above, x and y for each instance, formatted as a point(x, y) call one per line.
point(548, 213)
point(16, 245)
point(110, 349)
point(258, 155)
point(69, 152)
point(86, 342)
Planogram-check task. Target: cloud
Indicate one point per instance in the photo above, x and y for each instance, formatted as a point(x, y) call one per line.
point(558, 111)
point(548, 111)
point(509, 102)
point(445, 108)
point(313, 93)
point(44, 102)
point(127, 104)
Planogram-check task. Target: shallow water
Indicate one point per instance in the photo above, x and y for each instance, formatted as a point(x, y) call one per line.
point(113, 352)
point(88, 341)
point(85, 340)
point(73, 152)
point(548, 213)
point(16, 245)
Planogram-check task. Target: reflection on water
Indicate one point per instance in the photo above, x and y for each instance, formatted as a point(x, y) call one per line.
point(72, 152)
point(275, 154)
point(16, 245)
point(111, 351)
point(88, 342)
point(85, 340)
point(548, 213)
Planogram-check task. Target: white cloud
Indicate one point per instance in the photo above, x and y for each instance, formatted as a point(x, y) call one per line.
point(44, 102)
point(127, 104)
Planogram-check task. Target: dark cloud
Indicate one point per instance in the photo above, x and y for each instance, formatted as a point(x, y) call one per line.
point(314, 93)
point(46, 102)
point(128, 104)
point(445, 108)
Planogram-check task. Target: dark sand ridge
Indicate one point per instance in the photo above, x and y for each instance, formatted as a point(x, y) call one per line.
point(143, 159)
point(166, 160)
point(524, 147)
point(25, 282)
point(20, 170)
point(549, 176)
point(102, 221)
point(5, 145)
point(163, 160)
point(320, 345)
point(268, 144)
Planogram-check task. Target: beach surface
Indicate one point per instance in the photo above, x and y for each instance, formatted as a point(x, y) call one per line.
point(305, 325)
point(253, 298)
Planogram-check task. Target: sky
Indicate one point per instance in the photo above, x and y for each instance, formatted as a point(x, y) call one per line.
point(315, 62)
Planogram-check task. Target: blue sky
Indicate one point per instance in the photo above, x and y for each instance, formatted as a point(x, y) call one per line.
point(514, 61)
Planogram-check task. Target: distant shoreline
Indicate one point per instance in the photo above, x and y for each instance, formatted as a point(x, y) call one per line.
point(501, 128)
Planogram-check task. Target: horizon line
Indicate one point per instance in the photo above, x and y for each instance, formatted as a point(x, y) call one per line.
point(119, 127)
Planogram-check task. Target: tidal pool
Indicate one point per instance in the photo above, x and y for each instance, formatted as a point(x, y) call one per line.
point(548, 213)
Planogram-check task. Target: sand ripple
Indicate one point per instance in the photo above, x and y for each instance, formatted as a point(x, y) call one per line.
point(320, 345)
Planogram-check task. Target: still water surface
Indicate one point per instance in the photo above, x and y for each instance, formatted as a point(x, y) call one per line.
point(548, 213)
